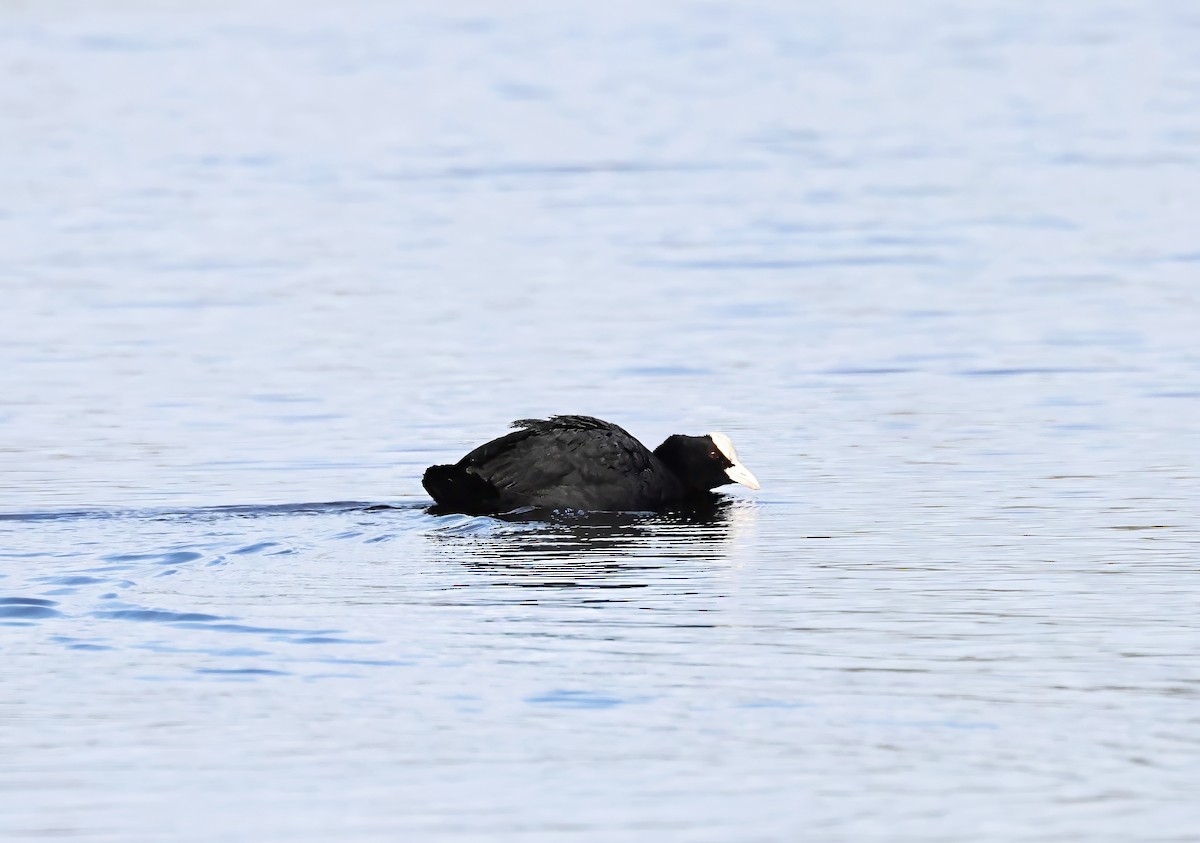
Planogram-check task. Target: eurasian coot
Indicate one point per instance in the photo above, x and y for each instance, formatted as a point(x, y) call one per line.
point(583, 463)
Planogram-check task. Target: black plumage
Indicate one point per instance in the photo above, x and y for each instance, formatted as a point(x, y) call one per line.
point(583, 463)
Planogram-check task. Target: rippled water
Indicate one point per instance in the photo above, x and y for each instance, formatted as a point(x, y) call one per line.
point(933, 268)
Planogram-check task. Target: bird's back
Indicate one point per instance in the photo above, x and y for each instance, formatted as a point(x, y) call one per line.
point(564, 462)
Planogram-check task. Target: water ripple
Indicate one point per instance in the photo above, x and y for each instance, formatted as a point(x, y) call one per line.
point(28, 608)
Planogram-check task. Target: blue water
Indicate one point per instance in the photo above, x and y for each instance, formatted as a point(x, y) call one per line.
point(933, 268)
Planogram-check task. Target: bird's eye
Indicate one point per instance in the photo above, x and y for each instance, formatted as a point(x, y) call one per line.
point(712, 454)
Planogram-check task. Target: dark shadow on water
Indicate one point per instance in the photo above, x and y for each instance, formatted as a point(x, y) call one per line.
point(708, 509)
point(540, 548)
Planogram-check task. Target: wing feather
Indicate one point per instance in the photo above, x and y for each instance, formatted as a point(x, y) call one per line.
point(565, 461)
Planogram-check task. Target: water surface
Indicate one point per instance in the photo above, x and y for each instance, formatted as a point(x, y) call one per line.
point(933, 268)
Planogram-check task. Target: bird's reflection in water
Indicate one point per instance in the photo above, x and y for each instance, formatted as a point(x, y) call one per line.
point(539, 548)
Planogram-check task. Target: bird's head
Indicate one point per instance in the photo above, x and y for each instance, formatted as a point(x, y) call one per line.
point(705, 462)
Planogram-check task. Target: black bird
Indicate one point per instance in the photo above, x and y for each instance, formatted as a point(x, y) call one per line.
point(583, 463)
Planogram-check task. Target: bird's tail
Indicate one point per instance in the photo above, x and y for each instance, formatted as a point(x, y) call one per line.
point(457, 490)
